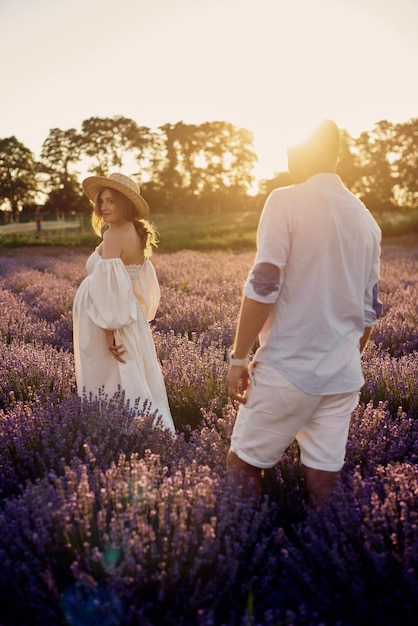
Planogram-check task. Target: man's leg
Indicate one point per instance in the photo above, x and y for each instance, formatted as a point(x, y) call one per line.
point(320, 485)
point(243, 474)
point(323, 442)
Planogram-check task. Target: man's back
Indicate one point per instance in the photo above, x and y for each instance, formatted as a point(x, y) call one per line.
point(327, 246)
point(311, 298)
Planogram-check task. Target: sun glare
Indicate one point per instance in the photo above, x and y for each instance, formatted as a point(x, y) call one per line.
point(273, 67)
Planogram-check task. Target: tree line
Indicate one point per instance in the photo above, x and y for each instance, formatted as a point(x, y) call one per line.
point(189, 167)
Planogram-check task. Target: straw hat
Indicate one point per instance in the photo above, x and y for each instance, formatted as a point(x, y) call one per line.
point(93, 184)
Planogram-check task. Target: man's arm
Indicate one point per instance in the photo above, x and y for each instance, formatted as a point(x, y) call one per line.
point(252, 317)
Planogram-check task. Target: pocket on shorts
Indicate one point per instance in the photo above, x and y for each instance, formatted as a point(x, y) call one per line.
point(251, 372)
point(252, 385)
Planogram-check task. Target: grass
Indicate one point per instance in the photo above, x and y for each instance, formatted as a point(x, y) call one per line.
point(400, 224)
point(220, 231)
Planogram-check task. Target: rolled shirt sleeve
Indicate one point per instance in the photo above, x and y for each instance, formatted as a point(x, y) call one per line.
point(263, 283)
point(372, 304)
point(273, 243)
point(374, 307)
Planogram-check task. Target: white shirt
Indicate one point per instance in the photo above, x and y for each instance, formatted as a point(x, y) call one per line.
point(326, 245)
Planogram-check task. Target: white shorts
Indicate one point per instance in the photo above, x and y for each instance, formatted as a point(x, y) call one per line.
point(277, 412)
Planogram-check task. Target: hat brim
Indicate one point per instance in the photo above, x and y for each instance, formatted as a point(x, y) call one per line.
point(93, 184)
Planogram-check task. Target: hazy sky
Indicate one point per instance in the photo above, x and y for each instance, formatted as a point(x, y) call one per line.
point(265, 65)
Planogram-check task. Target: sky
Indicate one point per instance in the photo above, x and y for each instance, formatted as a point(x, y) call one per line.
point(270, 66)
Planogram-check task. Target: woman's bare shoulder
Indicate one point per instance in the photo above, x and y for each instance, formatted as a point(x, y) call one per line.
point(113, 242)
point(111, 234)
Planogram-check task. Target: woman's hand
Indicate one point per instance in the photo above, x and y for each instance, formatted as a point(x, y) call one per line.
point(116, 351)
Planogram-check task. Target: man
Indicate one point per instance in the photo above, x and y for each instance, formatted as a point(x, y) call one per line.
point(311, 299)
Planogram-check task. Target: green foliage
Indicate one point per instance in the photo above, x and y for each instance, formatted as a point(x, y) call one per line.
point(380, 165)
point(195, 168)
point(75, 237)
point(219, 231)
point(236, 232)
point(108, 140)
point(17, 174)
point(399, 223)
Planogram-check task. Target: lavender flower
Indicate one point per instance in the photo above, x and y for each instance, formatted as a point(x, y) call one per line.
point(105, 519)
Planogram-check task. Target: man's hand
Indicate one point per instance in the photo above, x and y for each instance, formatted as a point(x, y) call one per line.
point(116, 351)
point(252, 317)
point(238, 381)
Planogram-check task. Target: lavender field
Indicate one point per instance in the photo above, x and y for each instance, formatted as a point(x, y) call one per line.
point(105, 521)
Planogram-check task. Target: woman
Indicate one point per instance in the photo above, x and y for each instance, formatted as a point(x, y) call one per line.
point(113, 344)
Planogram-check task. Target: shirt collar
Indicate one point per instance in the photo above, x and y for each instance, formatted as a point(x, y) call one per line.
point(323, 178)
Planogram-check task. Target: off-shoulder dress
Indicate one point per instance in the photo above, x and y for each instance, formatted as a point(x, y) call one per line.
point(123, 298)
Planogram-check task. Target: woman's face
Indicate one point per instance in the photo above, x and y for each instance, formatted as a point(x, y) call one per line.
point(112, 213)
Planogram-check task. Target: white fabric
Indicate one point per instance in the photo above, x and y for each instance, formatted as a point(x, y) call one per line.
point(277, 412)
point(327, 247)
point(120, 298)
point(263, 283)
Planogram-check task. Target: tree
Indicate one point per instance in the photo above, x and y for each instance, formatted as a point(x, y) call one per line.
point(375, 151)
point(110, 141)
point(66, 200)
point(348, 166)
point(405, 162)
point(168, 182)
point(223, 157)
point(208, 165)
point(17, 175)
point(59, 151)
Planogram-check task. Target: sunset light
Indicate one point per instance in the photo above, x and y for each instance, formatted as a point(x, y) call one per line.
point(264, 65)
point(208, 312)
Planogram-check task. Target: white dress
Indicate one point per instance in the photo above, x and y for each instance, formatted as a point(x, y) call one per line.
point(124, 299)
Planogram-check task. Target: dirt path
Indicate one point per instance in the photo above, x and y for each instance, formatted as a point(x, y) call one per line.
point(26, 252)
point(10, 229)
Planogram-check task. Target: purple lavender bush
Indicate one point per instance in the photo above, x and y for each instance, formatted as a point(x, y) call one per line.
point(39, 437)
point(28, 370)
point(38, 302)
point(392, 380)
point(105, 519)
point(398, 331)
point(195, 371)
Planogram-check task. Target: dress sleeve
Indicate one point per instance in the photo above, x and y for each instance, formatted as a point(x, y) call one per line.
point(112, 303)
point(147, 289)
